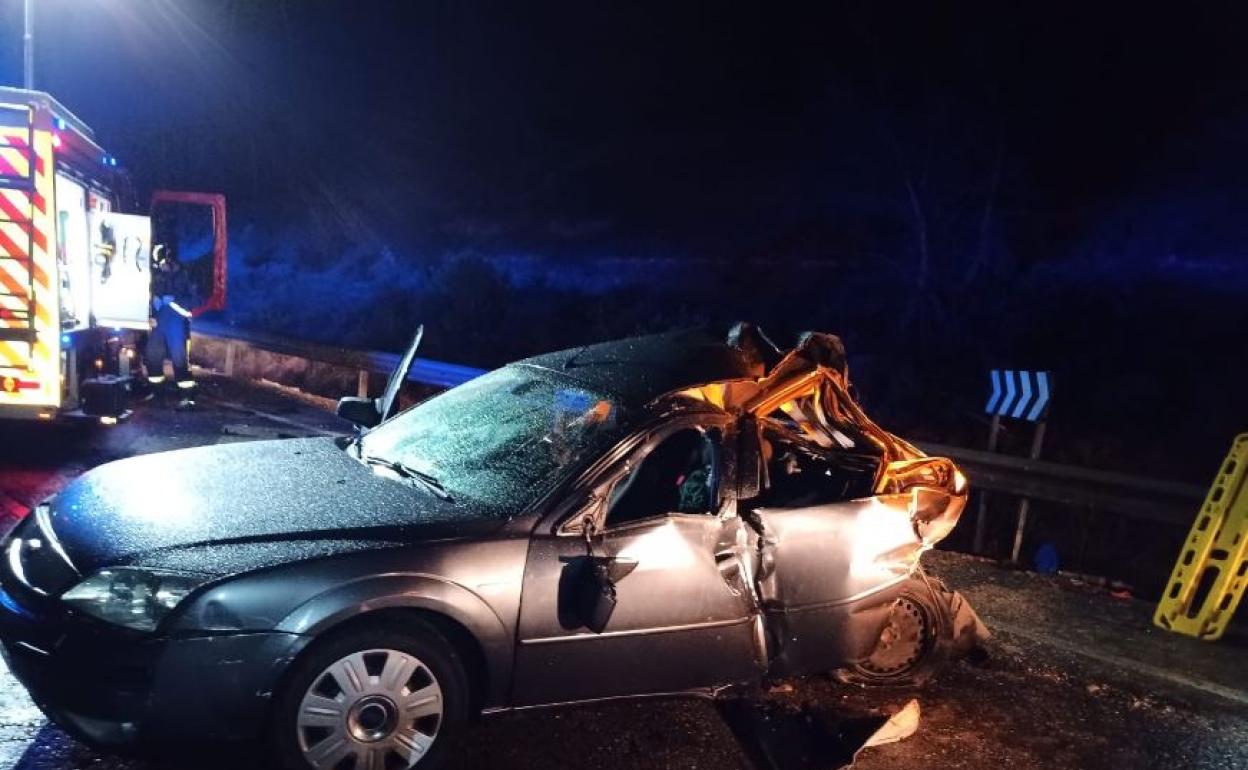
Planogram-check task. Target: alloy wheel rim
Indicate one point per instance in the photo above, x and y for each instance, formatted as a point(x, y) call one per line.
point(370, 710)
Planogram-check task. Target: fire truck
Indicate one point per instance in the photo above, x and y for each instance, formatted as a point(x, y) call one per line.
point(76, 263)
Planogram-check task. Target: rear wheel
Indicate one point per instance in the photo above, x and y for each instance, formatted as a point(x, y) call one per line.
point(909, 651)
point(384, 697)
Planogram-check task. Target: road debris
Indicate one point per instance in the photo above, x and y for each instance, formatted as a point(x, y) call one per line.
point(899, 726)
point(780, 736)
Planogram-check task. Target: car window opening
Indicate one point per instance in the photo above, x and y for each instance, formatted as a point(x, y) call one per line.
point(802, 474)
point(677, 476)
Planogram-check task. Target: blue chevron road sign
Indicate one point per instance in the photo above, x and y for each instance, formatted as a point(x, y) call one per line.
point(1020, 394)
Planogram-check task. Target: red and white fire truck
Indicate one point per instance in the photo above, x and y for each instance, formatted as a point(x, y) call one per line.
point(75, 268)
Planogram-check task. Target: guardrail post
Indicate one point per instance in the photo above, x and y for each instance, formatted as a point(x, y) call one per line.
point(361, 384)
point(1024, 505)
point(229, 358)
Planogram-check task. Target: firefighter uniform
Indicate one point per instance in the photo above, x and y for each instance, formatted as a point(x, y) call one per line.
point(170, 336)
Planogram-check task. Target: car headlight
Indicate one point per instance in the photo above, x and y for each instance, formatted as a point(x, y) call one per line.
point(131, 596)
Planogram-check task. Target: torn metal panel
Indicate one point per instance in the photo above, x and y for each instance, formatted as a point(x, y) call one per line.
point(843, 510)
point(809, 387)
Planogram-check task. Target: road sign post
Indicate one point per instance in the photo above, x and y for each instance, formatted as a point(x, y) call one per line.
point(1024, 505)
point(1016, 395)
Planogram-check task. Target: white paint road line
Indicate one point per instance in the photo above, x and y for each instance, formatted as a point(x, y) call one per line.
point(272, 417)
point(1134, 666)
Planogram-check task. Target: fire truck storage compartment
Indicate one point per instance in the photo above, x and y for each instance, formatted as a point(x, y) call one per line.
point(105, 396)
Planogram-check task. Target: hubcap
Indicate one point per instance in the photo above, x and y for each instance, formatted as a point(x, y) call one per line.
point(372, 718)
point(372, 710)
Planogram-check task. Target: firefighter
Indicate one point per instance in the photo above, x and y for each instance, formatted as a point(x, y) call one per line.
point(170, 337)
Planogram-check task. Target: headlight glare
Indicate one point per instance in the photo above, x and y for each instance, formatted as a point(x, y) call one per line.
point(132, 597)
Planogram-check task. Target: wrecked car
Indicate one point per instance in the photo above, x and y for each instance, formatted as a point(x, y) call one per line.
point(681, 514)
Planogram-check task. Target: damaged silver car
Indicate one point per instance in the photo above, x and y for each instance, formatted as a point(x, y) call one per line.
point(680, 514)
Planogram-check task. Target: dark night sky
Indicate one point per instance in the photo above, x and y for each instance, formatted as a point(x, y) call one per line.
point(639, 125)
point(1081, 170)
point(631, 127)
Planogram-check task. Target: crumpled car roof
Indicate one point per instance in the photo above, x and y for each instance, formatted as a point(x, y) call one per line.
point(639, 370)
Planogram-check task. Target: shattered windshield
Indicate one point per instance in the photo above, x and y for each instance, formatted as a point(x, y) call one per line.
point(501, 440)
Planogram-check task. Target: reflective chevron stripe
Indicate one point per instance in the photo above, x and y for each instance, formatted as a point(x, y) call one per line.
point(1020, 394)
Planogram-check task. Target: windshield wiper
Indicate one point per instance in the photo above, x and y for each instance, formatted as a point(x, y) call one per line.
point(422, 479)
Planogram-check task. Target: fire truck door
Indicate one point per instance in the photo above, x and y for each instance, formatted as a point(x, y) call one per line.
point(73, 254)
point(120, 269)
point(191, 226)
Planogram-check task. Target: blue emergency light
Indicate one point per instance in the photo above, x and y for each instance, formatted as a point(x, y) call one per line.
point(10, 604)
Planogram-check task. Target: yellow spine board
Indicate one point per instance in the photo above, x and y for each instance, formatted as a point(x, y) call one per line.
point(1209, 578)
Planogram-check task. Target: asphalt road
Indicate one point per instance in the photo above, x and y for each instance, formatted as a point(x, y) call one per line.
point(1072, 678)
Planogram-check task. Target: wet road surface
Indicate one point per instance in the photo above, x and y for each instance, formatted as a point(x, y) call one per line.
point(1073, 677)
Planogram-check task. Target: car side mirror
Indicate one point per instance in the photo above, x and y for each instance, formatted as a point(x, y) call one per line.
point(362, 412)
point(596, 597)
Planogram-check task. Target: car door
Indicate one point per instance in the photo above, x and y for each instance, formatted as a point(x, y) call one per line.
point(834, 555)
point(683, 617)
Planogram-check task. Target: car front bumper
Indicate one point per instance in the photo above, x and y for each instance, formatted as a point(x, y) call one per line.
point(114, 688)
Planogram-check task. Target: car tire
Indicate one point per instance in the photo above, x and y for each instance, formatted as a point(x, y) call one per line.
point(911, 649)
point(395, 691)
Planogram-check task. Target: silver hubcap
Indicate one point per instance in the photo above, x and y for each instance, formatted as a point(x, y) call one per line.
point(372, 710)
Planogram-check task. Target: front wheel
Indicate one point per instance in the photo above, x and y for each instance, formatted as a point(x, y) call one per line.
point(383, 697)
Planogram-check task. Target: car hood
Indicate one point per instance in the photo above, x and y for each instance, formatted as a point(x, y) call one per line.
point(281, 499)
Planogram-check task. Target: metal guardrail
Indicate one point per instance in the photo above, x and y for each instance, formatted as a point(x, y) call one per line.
point(424, 370)
point(1135, 497)
point(1131, 496)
